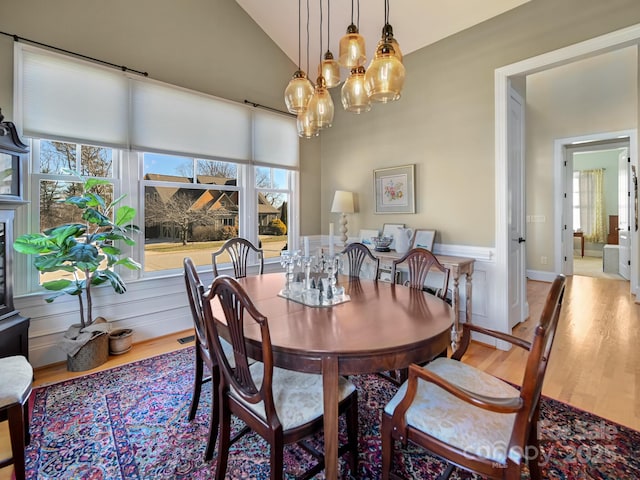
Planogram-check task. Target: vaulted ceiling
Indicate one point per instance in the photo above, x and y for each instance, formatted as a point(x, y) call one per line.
point(416, 23)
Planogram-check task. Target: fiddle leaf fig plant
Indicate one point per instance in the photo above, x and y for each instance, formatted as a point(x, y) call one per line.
point(84, 254)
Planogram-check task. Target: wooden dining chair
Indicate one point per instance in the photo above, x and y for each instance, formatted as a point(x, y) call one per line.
point(282, 406)
point(357, 254)
point(239, 250)
point(16, 376)
point(204, 356)
point(469, 418)
point(420, 262)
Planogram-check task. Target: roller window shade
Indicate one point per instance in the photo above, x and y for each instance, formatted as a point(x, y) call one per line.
point(177, 121)
point(69, 99)
point(275, 140)
point(74, 100)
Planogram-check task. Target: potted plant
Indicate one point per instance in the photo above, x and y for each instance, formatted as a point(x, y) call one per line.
point(84, 255)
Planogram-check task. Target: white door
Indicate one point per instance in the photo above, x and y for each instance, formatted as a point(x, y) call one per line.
point(624, 230)
point(515, 159)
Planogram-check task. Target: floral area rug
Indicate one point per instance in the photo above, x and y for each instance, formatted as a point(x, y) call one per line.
point(131, 423)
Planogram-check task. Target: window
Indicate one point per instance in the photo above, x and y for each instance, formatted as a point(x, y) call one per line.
point(221, 169)
point(576, 201)
point(589, 204)
point(191, 206)
point(273, 198)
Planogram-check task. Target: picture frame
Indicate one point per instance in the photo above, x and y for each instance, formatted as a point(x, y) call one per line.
point(391, 230)
point(394, 189)
point(365, 237)
point(423, 238)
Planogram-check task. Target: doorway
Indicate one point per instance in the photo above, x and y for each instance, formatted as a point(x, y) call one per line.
point(584, 252)
point(503, 79)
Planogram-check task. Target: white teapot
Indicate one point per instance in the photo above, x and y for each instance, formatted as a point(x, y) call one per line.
point(403, 240)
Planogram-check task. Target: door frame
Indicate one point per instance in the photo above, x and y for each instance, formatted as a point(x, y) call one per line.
point(563, 150)
point(625, 37)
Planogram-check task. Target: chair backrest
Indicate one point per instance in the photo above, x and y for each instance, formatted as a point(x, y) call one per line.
point(356, 254)
point(238, 250)
point(196, 292)
point(538, 360)
point(419, 262)
point(238, 308)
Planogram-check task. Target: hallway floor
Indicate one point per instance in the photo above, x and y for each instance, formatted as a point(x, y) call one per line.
point(592, 267)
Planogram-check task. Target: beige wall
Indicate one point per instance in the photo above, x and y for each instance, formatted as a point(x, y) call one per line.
point(444, 122)
point(595, 95)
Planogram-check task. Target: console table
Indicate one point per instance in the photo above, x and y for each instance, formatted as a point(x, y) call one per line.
point(458, 266)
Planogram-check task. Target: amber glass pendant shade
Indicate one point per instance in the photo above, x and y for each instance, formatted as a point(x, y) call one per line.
point(387, 37)
point(385, 77)
point(330, 70)
point(298, 92)
point(355, 97)
point(352, 48)
point(321, 104)
point(307, 124)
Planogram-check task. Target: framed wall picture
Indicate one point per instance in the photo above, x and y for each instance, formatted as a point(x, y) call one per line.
point(391, 230)
point(394, 189)
point(365, 237)
point(423, 238)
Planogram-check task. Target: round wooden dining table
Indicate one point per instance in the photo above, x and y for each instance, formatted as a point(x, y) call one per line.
point(382, 327)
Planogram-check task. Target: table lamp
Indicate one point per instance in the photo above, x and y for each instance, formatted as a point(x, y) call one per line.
point(343, 204)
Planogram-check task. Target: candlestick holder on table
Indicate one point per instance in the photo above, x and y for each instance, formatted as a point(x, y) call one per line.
point(306, 261)
point(331, 268)
point(289, 259)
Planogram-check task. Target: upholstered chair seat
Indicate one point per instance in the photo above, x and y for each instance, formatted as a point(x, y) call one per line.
point(297, 396)
point(438, 413)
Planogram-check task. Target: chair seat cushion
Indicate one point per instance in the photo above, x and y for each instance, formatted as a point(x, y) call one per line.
point(16, 375)
point(297, 396)
point(436, 412)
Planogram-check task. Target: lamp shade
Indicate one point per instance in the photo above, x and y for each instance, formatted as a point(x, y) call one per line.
point(355, 97)
point(352, 48)
point(307, 124)
point(330, 70)
point(298, 92)
point(385, 76)
point(342, 202)
point(321, 104)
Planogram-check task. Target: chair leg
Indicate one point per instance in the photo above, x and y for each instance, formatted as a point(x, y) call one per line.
point(534, 445)
point(352, 434)
point(225, 436)
point(17, 426)
point(197, 384)
point(388, 446)
point(214, 420)
point(277, 454)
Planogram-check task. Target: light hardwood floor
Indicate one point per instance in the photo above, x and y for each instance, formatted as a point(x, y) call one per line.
point(595, 363)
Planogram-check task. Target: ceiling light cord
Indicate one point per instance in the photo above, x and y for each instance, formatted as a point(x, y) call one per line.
point(307, 35)
point(299, 33)
point(320, 30)
point(328, 25)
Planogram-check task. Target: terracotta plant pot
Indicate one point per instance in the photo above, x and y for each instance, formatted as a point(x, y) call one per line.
point(120, 341)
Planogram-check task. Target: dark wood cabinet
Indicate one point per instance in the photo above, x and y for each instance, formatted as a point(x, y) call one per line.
point(14, 328)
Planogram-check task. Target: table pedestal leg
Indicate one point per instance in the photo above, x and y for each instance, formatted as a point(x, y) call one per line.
point(330, 391)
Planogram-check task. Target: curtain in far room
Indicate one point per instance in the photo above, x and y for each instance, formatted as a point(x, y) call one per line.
point(592, 205)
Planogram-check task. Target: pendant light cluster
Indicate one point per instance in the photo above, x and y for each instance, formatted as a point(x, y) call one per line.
point(381, 82)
